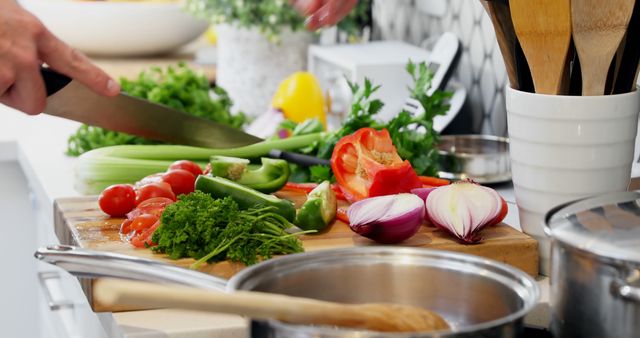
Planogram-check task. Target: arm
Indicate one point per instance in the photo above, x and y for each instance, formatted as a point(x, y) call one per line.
point(24, 45)
point(321, 13)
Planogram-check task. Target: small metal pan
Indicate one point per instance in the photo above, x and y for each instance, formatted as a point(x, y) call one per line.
point(483, 158)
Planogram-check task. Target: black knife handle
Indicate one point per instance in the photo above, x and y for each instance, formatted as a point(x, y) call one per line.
point(53, 81)
point(300, 159)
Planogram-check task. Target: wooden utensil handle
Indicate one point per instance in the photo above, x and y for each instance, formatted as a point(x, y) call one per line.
point(251, 304)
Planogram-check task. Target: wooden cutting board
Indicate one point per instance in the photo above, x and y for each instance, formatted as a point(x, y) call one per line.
point(79, 222)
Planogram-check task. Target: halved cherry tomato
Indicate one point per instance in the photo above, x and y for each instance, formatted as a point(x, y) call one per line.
point(143, 239)
point(125, 227)
point(341, 214)
point(189, 166)
point(117, 200)
point(154, 206)
point(143, 222)
point(154, 178)
point(159, 189)
point(366, 164)
point(207, 169)
point(181, 181)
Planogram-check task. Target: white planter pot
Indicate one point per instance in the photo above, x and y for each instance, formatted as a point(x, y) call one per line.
point(250, 67)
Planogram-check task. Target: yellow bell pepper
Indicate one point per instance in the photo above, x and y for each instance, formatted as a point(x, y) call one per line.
point(300, 98)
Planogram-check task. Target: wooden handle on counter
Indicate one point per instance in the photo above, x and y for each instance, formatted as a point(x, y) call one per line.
point(257, 305)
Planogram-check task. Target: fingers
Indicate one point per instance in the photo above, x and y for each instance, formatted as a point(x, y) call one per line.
point(330, 13)
point(74, 64)
point(27, 93)
point(307, 7)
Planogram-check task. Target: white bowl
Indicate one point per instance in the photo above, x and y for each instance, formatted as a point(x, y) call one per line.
point(118, 28)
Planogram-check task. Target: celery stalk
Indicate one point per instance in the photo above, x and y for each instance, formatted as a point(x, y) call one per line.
point(99, 168)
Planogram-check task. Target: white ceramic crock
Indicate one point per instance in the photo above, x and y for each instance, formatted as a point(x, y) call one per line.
point(567, 147)
point(250, 67)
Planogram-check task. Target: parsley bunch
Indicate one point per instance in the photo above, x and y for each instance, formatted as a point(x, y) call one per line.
point(212, 230)
point(177, 87)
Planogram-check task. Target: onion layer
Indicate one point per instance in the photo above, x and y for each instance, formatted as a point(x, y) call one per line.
point(464, 208)
point(387, 219)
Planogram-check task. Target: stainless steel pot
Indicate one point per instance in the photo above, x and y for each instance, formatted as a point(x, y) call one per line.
point(595, 267)
point(478, 297)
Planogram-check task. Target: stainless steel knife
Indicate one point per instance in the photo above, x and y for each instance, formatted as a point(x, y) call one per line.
point(124, 113)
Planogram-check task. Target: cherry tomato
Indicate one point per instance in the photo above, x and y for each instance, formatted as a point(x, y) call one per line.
point(125, 227)
point(159, 189)
point(181, 181)
point(154, 206)
point(154, 178)
point(117, 200)
point(143, 239)
point(189, 166)
point(143, 222)
point(207, 169)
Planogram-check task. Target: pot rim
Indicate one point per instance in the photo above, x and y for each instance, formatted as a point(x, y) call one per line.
point(521, 283)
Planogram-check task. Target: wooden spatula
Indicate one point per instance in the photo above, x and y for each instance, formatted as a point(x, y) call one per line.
point(543, 28)
point(257, 305)
point(598, 29)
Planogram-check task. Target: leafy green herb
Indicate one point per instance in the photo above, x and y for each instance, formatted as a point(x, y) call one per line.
point(178, 87)
point(320, 173)
point(212, 230)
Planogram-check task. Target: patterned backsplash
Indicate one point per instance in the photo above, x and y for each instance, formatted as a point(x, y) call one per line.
point(481, 69)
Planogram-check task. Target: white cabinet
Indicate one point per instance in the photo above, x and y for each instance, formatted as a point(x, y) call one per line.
point(38, 300)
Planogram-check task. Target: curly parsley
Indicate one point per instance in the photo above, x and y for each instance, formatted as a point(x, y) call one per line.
point(212, 230)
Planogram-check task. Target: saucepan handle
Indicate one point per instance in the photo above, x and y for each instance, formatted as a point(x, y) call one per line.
point(92, 264)
point(628, 289)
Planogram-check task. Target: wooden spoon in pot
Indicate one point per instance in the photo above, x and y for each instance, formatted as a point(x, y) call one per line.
point(598, 29)
point(295, 310)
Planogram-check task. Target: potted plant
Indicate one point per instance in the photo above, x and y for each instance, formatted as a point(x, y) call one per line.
point(260, 43)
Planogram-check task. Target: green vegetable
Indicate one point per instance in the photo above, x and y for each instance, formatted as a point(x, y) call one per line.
point(178, 87)
point(210, 230)
point(319, 210)
point(228, 167)
point(270, 177)
point(99, 168)
point(246, 198)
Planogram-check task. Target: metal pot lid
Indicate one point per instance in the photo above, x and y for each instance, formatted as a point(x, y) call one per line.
point(607, 225)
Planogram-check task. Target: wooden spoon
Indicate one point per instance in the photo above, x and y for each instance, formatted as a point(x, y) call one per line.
point(598, 29)
point(543, 28)
point(375, 317)
point(498, 12)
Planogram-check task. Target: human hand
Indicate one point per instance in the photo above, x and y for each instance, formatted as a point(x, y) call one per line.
point(322, 13)
point(24, 45)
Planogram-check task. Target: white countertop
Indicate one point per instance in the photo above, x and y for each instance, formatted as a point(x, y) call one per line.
point(38, 144)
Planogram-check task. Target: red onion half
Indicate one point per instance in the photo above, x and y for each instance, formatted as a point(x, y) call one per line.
point(464, 208)
point(387, 219)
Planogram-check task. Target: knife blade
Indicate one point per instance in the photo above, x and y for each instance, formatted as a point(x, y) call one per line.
point(72, 100)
